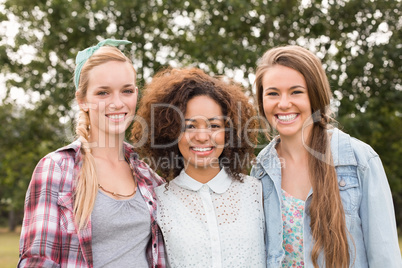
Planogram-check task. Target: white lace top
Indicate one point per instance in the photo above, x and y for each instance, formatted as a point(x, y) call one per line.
point(217, 224)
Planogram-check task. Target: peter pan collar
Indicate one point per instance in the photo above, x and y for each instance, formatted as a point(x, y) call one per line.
point(219, 184)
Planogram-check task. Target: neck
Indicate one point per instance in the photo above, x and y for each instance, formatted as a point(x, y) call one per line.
point(292, 148)
point(109, 147)
point(296, 144)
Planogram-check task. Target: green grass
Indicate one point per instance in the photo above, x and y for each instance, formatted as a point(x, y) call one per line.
point(9, 243)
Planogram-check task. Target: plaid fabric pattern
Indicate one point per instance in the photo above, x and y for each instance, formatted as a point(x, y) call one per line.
point(49, 236)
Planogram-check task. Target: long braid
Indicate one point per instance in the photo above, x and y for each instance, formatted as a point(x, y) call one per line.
point(328, 225)
point(87, 185)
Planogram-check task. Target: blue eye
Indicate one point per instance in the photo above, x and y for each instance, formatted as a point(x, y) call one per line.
point(101, 93)
point(129, 91)
point(297, 92)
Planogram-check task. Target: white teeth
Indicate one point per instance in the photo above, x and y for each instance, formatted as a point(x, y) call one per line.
point(288, 117)
point(116, 116)
point(202, 149)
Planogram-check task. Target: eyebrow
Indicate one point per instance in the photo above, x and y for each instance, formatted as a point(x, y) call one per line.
point(292, 87)
point(209, 119)
point(124, 86)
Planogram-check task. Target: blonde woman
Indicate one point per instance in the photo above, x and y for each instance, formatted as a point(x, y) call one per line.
point(92, 203)
point(326, 196)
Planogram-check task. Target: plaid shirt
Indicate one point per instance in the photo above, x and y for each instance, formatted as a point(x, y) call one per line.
point(49, 236)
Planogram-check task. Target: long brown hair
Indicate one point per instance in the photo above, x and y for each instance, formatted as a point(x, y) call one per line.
point(86, 186)
point(327, 224)
point(164, 103)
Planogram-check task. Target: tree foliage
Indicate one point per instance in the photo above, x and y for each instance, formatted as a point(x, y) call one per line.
point(26, 135)
point(359, 42)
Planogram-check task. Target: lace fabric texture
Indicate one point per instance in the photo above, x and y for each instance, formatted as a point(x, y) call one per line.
point(208, 226)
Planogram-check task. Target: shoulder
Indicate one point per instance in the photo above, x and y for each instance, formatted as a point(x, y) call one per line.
point(248, 185)
point(57, 167)
point(249, 189)
point(63, 157)
point(145, 172)
point(173, 188)
point(131, 154)
point(267, 160)
point(348, 150)
point(362, 149)
point(168, 194)
point(251, 180)
point(69, 152)
point(161, 189)
point(148, 175)
point(269, 149)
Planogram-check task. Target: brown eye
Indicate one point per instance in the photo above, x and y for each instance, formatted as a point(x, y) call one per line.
point(189, 127)
point(271, 93)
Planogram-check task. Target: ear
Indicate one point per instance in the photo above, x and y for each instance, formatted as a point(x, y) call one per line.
point(83, 105)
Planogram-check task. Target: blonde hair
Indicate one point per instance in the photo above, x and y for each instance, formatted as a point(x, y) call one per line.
point(327, 215)
point(86, 187)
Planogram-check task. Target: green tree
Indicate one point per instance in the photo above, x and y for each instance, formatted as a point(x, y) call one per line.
point(358, 41)
point(26, 136)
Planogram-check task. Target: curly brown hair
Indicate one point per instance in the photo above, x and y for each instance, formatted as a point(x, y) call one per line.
point(160, 120)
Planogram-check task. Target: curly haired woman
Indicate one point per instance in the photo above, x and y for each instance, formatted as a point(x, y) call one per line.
point(210, 213)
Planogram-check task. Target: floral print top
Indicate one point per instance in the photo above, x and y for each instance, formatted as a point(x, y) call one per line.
point(292, 218)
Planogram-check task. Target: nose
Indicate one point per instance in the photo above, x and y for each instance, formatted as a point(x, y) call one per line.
point(284, 102)
point(116, 103)
point(202, 134)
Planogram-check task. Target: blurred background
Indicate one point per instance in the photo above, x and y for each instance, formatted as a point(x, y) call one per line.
point(359, 42)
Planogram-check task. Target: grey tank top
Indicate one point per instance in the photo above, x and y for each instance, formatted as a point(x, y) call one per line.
point(121, 231)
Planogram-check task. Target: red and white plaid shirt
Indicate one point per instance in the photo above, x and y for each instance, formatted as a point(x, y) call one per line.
point(49, 236)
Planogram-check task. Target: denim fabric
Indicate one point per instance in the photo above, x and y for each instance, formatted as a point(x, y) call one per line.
point(366, 198)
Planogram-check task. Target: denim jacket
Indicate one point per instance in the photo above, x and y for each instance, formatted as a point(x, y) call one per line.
point(366, 199)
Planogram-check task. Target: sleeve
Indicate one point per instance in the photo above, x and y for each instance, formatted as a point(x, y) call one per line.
point(378, 217)
point(40, 235)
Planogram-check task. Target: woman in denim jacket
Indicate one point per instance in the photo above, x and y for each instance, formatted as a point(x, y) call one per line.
point(326, 196)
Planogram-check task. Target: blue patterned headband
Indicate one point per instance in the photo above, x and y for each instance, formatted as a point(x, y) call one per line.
point(85, 54)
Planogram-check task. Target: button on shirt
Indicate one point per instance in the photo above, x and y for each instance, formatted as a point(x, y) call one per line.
point(217, 224)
